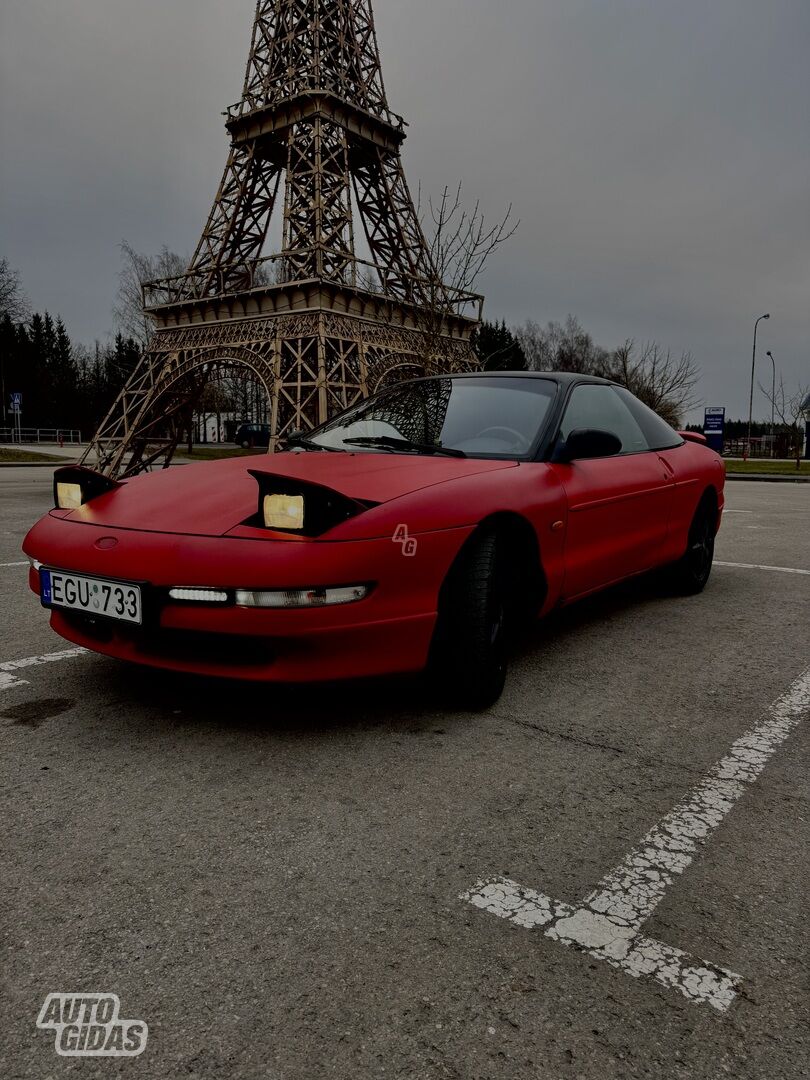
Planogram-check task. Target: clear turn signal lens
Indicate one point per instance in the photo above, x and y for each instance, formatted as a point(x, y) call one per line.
point(301, 598)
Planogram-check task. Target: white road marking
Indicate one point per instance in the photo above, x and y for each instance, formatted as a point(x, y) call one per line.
point(7, 677)
point(3, 564)
point(738, 512)
point(608, 922)
point(757, 566)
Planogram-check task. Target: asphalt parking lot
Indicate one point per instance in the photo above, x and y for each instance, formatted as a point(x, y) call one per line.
point(293, 884)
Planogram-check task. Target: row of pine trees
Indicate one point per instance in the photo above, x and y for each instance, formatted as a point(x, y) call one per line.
point(63, 385)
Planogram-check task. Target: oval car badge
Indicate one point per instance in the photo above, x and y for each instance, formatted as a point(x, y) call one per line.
point(106, 542)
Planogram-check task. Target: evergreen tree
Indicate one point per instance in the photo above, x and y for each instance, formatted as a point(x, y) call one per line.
point(497, 348)
point(9, 364)
point(61, 397)
point(125, 358)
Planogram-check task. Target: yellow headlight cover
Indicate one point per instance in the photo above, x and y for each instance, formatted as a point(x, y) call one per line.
point(284, 511)
point(68, 496)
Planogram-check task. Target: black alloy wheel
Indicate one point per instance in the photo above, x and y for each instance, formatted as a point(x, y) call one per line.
point(470, 647)
point(691, 573)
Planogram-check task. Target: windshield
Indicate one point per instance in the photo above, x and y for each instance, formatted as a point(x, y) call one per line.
point(489, 417)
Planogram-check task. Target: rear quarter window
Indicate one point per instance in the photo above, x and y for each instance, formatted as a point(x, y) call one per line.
point(657, 432)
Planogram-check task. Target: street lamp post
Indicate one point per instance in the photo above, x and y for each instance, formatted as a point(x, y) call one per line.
point(747, 453)
point(773, 403)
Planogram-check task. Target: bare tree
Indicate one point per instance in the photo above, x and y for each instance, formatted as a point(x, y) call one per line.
point(791, 409)
point(664, 382)
point(460, 244)
point(658, 378)
point(137, 269)
point(533, 340)
point(13, 301)
point(560, 347)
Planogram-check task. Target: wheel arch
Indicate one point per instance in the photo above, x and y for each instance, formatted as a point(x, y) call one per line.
point(523, 546)
point(710, 499)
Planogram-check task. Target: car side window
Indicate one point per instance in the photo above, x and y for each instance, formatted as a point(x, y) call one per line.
point(600, 407)
point(659, 435)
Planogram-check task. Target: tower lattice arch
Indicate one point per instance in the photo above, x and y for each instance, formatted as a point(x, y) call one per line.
point(315, 152)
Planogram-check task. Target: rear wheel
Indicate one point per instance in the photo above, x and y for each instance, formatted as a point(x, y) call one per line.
point(469, 655)
point(691, 573)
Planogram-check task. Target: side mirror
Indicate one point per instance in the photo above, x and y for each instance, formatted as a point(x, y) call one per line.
point(587, 443)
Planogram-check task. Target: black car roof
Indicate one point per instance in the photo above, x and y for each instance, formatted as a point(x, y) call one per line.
point(565, 378)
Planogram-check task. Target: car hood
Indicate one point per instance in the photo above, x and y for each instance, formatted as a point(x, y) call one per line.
point(213, 498)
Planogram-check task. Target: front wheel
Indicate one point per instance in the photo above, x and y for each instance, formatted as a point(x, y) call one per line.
point(691, 573)
point(469, 654)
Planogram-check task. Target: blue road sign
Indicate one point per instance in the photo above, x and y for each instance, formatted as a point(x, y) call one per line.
point(16, 400)
point(714, 428)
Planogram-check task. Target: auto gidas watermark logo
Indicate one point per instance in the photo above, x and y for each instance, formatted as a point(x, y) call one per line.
point(88, 1025)
point(409, 543)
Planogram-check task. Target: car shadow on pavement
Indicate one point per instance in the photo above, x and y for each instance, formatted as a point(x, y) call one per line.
point(621, 601)
point(405, 704)
point(214, 704)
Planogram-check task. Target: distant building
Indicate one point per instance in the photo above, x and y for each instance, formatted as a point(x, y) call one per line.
point(215, 427)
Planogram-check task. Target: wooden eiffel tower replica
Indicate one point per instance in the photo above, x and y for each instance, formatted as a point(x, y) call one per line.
point(315, 153)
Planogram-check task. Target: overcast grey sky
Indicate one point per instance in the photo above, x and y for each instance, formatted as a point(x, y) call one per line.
point(657, 153)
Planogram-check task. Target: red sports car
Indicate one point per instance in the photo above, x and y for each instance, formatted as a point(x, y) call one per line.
point(419, 529)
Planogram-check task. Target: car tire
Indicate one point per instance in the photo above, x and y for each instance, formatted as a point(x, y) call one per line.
point(470, 648)
point(691, 573)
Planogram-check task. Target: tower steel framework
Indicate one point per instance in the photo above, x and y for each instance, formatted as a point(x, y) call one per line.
point(314, 147)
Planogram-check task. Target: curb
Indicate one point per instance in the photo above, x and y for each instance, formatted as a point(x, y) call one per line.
point(34, 464)
point(772, 478)
point(63, 464)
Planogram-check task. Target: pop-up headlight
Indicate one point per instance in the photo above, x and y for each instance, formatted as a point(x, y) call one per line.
point(68, 496)
point(284, 512)
point(73, 486)
point(299, 507)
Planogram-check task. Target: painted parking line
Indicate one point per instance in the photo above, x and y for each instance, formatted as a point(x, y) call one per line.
point(4, 564)
point(607, 924)
point(8, 679)
point(758, 566)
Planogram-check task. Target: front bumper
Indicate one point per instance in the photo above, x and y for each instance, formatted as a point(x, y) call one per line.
point(388, 632)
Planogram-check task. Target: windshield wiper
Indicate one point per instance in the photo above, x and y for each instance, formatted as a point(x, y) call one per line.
point(386, 442)
point(307, 444)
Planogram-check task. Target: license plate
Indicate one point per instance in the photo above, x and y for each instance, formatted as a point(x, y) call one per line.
point(113, 599)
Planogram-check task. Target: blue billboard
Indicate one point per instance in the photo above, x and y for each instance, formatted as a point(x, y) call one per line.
point(714, 428)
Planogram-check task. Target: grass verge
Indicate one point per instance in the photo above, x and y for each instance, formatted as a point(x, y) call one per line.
point(29, 457)
point(216, 453)
point(769, 468)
